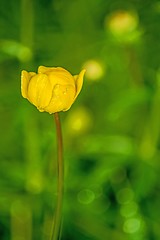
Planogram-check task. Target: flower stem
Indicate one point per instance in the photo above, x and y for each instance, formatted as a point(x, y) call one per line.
point(60, 183)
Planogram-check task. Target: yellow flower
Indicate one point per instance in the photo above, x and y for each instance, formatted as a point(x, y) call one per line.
point(52, 89)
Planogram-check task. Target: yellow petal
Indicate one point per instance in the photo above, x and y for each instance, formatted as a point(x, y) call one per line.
point(57, 75)
point(25, 78)
point(79, 82)
point(68, 97)
point(61, 78)
point(39, 91)
point(62, 98)
point(43, 69)
point(44, 92)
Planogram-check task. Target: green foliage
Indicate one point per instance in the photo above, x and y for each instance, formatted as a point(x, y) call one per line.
point(111, 133)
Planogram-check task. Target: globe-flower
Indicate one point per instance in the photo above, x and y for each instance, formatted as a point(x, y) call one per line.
point(52, 89)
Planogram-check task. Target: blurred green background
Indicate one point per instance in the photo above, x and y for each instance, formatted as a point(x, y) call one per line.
point(111, 133)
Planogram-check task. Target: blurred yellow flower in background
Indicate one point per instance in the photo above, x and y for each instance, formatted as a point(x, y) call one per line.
point(94, 70)
point(123, 26)
point(52, 89)
point(122, 22)
point(79, 121)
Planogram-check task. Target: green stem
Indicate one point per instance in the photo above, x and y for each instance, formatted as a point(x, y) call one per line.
point(60, 183)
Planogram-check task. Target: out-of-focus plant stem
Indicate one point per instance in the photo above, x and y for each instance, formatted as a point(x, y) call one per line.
point(60, 183)
point(27, 26)
point(148, 147)
point(27, 29)
point(134, 67)
point(21, 213)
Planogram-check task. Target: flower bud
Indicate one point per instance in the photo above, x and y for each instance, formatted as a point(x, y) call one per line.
point(52, 89)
